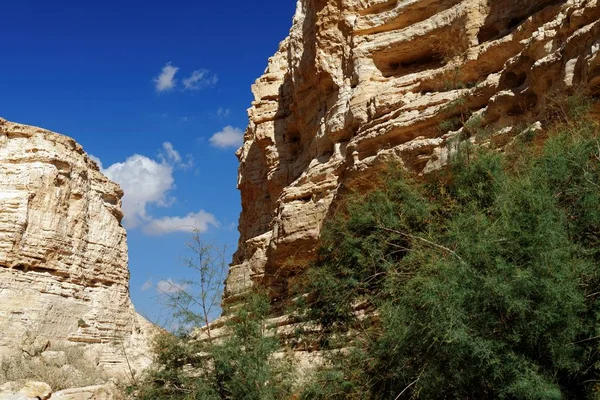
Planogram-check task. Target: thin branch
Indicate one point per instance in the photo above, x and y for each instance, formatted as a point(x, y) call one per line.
point(408, 387)
point(587, 340)
point(589, 381)
point(425, 241)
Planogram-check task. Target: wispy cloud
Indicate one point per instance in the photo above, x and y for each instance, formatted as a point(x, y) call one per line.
point(199, 79)
point(170, 152)
point(223, 112)
point(193, 222)
point(228, 137)
point(168, 286)
point(170, 156)
point(166, 81)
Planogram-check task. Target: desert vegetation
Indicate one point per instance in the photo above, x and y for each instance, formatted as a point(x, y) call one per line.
point(480, 281)
point(237, 359)
point(61, 367)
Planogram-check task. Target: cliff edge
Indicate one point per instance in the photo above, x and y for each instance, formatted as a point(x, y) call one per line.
point(63, 253)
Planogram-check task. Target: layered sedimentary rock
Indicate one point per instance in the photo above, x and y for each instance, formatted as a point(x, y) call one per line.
point(63, 252)
point(358, 83)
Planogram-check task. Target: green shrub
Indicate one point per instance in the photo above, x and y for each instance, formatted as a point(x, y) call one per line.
point(239, 365)
point(481, 284)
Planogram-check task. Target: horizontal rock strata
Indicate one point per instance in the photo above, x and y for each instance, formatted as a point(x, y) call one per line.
point(63, 252)
point(361, 82)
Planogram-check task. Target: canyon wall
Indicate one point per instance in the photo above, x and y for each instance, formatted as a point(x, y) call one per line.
point(358, 83)
point(63, 253)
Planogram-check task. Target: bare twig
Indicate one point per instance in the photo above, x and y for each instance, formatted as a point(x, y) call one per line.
point(425, 241)
point(587, 340)
point(408, 387)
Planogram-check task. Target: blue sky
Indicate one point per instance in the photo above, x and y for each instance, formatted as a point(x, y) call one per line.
point(158, 92)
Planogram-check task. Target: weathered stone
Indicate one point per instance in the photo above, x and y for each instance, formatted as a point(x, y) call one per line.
point(358, 83)
point(42, 391)
point(63, 252)
point(101, 392)
point(31, 391)
point(34, 346)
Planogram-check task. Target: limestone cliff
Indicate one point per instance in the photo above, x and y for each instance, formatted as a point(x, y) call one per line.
point(359, 82)
point(63, 251)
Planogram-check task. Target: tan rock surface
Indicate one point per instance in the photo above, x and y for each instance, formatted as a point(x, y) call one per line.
point(63, 252)
point(359, 82)
point(30, 391)
point(42, 391)
point(102, 392)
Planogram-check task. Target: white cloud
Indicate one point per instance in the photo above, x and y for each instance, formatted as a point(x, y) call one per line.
point(223, 112)
point(147, 182)
point(170, 156)
point(171, 153)
point(200, 79)
point(200, 221)
point(144, 182)
point(166, 80)
point(228, 137)
point(170, 287)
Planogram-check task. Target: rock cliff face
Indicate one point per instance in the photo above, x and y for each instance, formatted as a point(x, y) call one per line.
point(63, 251)
point(361, 82)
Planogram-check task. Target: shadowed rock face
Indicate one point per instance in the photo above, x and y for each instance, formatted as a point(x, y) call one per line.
point(361, 82)
point(63, 251)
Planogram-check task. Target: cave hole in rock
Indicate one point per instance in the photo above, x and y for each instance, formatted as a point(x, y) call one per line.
point(515, 22)
point(431, 51)
point(512, 80)
point(390, 66)
point(488, 33)
point(503, 19)
point(326, 152)
point(293, 140)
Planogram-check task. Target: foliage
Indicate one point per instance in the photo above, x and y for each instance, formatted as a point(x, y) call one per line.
point(195, 302)
point(236, 362)
point(240, 364)
point(483, 283)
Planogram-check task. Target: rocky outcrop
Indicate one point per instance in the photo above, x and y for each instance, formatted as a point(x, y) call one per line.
point(102, 392)
point(63, 253)
point(361, 82)
point(30, 391)
point(43, 391)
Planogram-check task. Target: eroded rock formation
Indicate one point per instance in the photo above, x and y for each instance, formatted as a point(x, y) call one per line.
point(63, 252)
point(361, 82)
